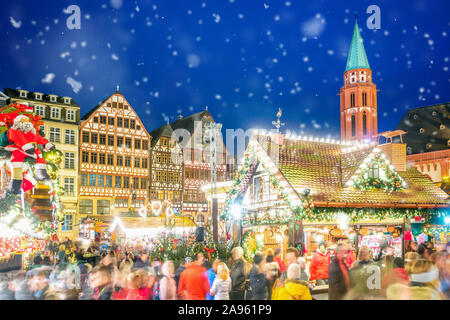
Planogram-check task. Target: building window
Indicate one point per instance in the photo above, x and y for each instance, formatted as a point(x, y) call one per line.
point(111, 121)
point(364, 123)
point(143, 183)
point(144, 144)
point(103, 207)
point(39, 110)
point(84, 179)
point(70, 115)
point(23, 94)
point(108, 181)
point(353, 125)
point(103, 119)
point(126, 123)
point(135, 183)
point(68, 223)
point(38, 96)
point(93, 157)
point(128, 142)
point(110, 160)
point(95, 119)
point(101, 158)
point(69, 186)
point(364, 99)
point(374, 172)
point(421, 130)
point(137, 162)
point(127, 161)
point(120, 122)
point(92, 180)
point(70, 137)
point(126, 182)
point(137, 143)
point(442, 127)
point(85, 157)
point(69, 160)
point(119, 142)
point(86, 136)
point(86, 206)
point(52, 98)
point(144, 163)
point(56, 113)
point(100, 180)
point(67, 100)
point(103, 139)
point(110, 140)
point(132, 124)
point(118, 182)
point(121, 203)
point(94, 138)
point(119, 161)
point(138, 127)
point(352, 100)
point(55, 135)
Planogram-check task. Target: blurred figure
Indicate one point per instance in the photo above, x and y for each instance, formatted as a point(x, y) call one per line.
point(272, 271)
point(397, 274)
point(39, 284)
point(443, 265)
point(133, 289)
point(221, 287)
point(180, 269)
point(410, 258)
point(318, 268)
point(338, 274)
point(258, 281)
point(363, 257)
point(425, 250)
point(101, 283)
point(238, 274)
point(277, 258)
point(62, 256)
point(167, 284)
point(142, 261)
point(211, 274)
point(350, 256)
point(193, 281)
point(293, 288)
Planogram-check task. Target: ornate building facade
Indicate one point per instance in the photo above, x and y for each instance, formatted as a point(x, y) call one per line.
point(358, 96)
point(61, 117)
point(114, 160)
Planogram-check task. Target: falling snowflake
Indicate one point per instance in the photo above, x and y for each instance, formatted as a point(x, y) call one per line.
point(76, 85)
point(14, 23)
point(216, 17)
point(114, 57)
point(48, 78)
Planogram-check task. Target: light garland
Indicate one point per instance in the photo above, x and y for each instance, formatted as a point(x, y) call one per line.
point(389, 179)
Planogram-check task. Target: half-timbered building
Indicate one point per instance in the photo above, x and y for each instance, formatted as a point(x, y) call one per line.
point(114, 159)
point(166, 167)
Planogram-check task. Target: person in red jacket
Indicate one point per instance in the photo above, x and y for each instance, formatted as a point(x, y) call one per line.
point(277, 258)
point(318, 268)
point(194, 283)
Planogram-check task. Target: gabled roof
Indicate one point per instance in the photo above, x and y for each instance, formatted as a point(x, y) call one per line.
point(187, 123)
point(326, 167)
point(164, 131)
point(357, 57)
point(13, 93)
point(87, 115)
point(429, 118)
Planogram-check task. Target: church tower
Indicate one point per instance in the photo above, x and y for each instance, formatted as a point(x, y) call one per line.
point(358, 96)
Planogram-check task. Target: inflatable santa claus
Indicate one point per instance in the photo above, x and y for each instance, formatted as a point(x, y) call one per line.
point(24, 139)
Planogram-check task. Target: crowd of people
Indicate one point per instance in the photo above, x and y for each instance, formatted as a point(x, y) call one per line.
point(66, 271)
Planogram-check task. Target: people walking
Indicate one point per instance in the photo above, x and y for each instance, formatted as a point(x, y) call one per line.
point(258, 281)
point(221, 288)
point(338, 274)
point(193, 281)
point(238, 274)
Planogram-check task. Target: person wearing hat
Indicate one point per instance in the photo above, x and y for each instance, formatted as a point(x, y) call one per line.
point(258, 281)
point(293, 288)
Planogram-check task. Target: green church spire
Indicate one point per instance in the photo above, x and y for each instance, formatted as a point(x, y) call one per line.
point(357, 57)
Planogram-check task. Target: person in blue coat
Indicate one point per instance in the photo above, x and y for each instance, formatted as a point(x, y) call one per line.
point(211, 274)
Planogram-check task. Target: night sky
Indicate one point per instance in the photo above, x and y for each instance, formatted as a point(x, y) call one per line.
point(241, 58)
